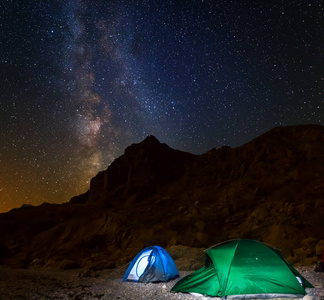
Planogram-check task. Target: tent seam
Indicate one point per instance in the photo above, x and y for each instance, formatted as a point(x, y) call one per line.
point(163, 263)
point(229, 271)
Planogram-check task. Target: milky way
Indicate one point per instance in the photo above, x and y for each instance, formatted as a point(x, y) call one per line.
point(82, 80)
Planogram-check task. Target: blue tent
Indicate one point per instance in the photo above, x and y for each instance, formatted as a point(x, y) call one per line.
point(152, 264)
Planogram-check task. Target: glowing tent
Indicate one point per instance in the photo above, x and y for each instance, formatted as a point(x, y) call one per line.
point(152, 264)
point(244, 269)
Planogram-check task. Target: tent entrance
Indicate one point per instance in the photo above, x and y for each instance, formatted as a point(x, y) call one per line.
point(140, 266)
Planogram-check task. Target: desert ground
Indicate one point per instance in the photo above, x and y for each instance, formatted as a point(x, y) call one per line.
point(106, 284)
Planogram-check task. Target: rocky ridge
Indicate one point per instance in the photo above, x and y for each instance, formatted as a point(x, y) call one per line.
point(270, 189)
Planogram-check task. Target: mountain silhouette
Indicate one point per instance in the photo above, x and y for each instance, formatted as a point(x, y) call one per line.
point(270, 189)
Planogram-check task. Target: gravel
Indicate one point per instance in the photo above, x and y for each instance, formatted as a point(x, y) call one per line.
point(73, 284)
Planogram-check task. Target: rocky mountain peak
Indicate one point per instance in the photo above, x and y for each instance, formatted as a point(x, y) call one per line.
point(143, 166)
point(270, 189)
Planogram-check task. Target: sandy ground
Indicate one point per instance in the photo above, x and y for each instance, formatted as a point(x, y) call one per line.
point(74, 284)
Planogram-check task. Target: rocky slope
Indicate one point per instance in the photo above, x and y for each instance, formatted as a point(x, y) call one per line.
point(270, 189)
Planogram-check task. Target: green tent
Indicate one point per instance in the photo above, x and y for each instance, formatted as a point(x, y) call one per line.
point(246, 269)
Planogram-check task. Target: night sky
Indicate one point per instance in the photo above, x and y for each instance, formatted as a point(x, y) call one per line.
point(82, 80)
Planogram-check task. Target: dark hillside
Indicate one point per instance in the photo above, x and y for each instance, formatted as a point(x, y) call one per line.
point(270, 189)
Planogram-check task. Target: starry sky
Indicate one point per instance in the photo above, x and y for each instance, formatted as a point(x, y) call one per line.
point(80, 80)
